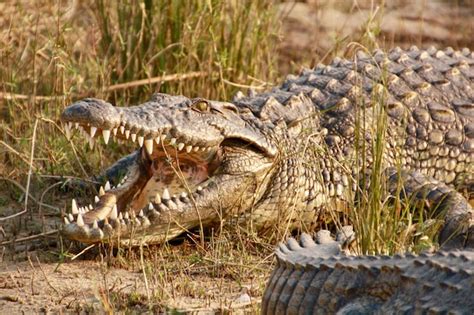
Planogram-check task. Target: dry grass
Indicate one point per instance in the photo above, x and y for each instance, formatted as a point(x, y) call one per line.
point(54, 52)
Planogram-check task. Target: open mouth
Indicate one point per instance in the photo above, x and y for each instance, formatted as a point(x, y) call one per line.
point(166, 174)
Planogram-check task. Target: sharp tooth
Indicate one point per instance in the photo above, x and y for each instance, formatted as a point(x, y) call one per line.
point(189, 148)
point(134, 137)
point(163, 138)
point(119, 184)
point(91, 143)
point(113, 214)
point(114, 131)
point(149, 146)
point(74, 208)
point(71, 218)
point(76, 125)
point(209, 148)
point(166, 194)
point(66, 220)
point(150, 207)
point(140, 141)
point(67, 130)
point(93, 130)
point(195, 149)
point(80, 221)
point(96, 199)
point(203, 149)
point(95, 225)
point(157, 140)
point(199, 188)
point(180, 146)
point(183, 194)
point(125, 178)
point(106, 135)
point(157, 198)
point(127, 134)
point(107, 186)
point(101, 191)
point(91, 207)
point(172, 141)
point(120, 216)
point(126, 216)
point(122, 129)
point(140, 214)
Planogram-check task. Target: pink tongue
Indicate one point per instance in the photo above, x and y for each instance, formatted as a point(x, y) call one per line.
point(101, 209)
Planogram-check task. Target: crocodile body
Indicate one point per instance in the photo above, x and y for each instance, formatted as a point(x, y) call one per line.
point(280, 157)
point(315, 278)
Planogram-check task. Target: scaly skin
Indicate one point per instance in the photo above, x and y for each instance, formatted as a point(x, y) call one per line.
point(313, 278)
point(280, 157)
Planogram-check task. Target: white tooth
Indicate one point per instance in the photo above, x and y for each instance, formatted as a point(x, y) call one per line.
point(76, 125)
point(122, 129)
point(80, 221)
point(140, 141)
point(157, 140)
point(101, 191)
point(126, 216)
point(172, 141)
point(134, 137)
point(91, 143)
point(113, 214)
point(195, 149)
point(180, 146)
point(150, 207)
point(127, 134)
point(184, 194)
point(149, 146)
point(119, 184)
point(95, 225)
point(96, 199)
point(203, 149)
point(67, 130)
point(71, 218)
point(74, 208)
point(125, 178)
point(199, 188)
point(114, 131)
point(66, 220)
point(157, 198)
point(91, 207)
point(106, 135)
point(209, 148)
point(163, 138)
point(140, 214)
point(107, 186)
point(93, 130)
point(120, 216)
point(189, 148)
point(166, 194)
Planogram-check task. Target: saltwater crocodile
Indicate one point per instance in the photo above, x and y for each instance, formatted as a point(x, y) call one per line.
point(316, 278)
point(280, 157)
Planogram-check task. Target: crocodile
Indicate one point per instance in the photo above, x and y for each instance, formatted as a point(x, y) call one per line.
point(282, 157)
point(318, 278)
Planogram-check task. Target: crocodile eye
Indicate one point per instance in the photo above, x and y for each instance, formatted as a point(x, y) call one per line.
point(201, 105)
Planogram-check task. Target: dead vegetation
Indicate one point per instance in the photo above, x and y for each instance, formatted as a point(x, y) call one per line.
point(54, 52)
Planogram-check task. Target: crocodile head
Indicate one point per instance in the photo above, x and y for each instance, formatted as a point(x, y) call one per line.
point(196, 159)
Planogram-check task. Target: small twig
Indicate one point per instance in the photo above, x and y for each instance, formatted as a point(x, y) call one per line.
point(45, 277)
point(16, 152)
point(27, 190)
point(28, 238)
point(14, 96)
point(244, 86)
point(82, 251)
point(164, 78)
point(31, 197)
